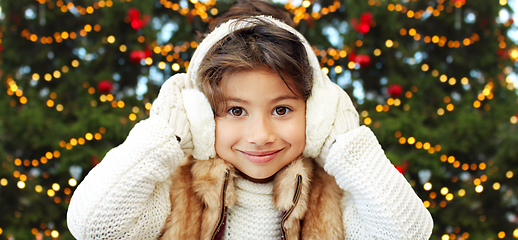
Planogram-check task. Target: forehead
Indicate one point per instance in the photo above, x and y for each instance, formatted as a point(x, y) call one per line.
point(260, 83)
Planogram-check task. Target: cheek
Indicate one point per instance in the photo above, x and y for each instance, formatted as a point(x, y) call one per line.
point(226, 135)
point(295, 133)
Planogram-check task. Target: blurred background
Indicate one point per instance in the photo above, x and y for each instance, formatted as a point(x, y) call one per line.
point(435, 79)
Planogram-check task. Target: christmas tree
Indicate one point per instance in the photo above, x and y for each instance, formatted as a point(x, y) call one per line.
point(434, 79)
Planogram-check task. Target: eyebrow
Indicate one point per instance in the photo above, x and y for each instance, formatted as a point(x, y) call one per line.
point(284, 97)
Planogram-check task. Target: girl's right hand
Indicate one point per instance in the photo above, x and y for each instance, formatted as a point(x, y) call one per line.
point(169, 106)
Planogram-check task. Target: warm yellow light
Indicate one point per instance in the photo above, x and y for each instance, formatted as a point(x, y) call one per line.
point(48, 77)
point(3, 182)
point(35, 77)
point(110, 39)
point(440, 111)
point(509, 174)
point(325, 70)
point(427, 186)
point(445, 237)
point(411, 140)
point(148, 106)
point(449, 107)
point(479, 188)
point(377, 52)
point(452, 81)
point(55, 187)
point(513, 120)
point(306, 4)
point(443, 78)
point(21, 184)
point(123, 48)
point(338, 69)
point(89, 136)
point(97, 136)
point(389, 43)
point(379, 108)
point(175, 67)
point(38, 188)
point(444, 190)
point(132, 117)
point(351, 65)
point(477, 181)
point(496, 185)
point(54, 234)
point(75, 63)
point(72, 182)
point(51, 193)
point(501, 234)
point(449, 197)
point(425, 67)
point(515, 233)
point(88, 27)
point(161, 65)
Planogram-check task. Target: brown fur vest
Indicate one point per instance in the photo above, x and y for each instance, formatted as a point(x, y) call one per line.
point(202, 191)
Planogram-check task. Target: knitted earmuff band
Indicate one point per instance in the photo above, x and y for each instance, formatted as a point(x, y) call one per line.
point(320, 106)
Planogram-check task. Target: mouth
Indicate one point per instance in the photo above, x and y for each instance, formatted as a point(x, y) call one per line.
point(260, 156)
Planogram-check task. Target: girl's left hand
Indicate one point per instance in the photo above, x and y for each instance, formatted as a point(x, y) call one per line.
point(346, 119)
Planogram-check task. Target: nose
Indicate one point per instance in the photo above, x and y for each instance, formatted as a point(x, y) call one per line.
point(261, 131)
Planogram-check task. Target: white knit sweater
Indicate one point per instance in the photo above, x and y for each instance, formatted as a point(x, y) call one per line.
point(126, 196)
point(254, 217)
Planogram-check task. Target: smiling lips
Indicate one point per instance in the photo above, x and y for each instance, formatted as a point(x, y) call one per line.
point(260, 156)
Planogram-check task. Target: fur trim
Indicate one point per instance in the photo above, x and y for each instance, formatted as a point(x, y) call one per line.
point(311, 205)
point(322, 220)
point(289, 199)
point(320, 108)
point(186, 207)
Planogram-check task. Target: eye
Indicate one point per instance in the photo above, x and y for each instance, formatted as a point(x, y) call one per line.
point(280, 111)
point(237, 111)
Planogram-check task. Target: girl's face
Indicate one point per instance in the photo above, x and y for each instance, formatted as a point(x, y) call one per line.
point(264, 125)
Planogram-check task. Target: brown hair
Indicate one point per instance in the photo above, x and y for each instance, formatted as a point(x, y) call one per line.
point(263, 45)
point(248, 8)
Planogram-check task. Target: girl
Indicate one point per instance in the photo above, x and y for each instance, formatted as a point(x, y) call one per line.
point(273, 150)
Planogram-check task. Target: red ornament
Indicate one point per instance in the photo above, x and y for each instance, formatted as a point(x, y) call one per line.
point(137, 56)
point(136, 22)
point(1, 47)
point(403, 167)
point(363, 60)
point(394, 90)
point(105, 86)
point(133, 14)
point(363, 28)
point(352, 56)
point(366, 18)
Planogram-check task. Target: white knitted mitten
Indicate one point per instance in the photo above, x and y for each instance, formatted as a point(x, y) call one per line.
point(169, 106)
point(346, 119)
